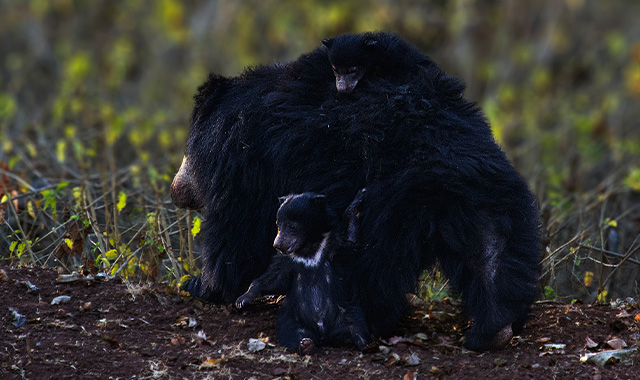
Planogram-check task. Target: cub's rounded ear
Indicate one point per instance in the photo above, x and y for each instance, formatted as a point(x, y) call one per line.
point(327, 42)
point(370, 42)
point(319, 199)
point(282, 199)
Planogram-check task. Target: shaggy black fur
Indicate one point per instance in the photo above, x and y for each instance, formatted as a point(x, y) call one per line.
point(372, 55)
point(310, 273)
point(439, 189)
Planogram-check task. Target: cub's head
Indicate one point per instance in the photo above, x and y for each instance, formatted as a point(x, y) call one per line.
point(303, 221)
point(351, 57)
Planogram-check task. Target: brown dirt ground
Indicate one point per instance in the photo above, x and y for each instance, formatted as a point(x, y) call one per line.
point(115, 330)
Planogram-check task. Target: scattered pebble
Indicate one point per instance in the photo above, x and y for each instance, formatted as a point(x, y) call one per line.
point(60, 300)
point(30, 287)
point(19, 318)
point(412, 360)
point(255, 345)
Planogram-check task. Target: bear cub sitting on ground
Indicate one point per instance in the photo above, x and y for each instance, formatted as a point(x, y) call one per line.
point(308, 270)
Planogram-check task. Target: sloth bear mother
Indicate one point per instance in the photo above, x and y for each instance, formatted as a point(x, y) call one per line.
point(439, 188)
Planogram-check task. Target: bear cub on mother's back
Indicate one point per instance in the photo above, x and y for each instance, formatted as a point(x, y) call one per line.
point(310, 241)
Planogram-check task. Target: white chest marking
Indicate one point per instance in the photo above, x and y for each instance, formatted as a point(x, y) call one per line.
point(313, 261)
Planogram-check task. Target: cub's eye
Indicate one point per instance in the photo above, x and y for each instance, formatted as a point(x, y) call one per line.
point(353, 69)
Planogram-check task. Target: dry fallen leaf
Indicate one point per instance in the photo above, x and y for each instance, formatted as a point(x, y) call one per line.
point(201, 338)
point(178, 340)
point(614, 356)
point(208, 364)
point(399, 339)
point(255, 345)
point(591, 343)
point(553, 346)
point(623, 314)
point(182, 321)
point(75, 276)
point(411, 360)
point(637, 317)
point(392, 360)
point(410, 375)
point(499, 362)
point(617, 343)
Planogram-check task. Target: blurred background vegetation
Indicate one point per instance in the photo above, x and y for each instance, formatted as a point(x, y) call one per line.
point(95, 98)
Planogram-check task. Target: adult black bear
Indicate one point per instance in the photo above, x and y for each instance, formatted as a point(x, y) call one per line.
point(309, 271)
point(439, 189)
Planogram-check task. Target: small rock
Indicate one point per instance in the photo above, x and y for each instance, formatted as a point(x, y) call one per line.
point(19, 318)
point(255, 345)
point(422, 336)
point(73, 277)
point(412, 360)
point(60, 299)
point(30, 287)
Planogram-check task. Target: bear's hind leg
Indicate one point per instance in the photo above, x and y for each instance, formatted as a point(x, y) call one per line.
point(498, 289)
point(293, 335)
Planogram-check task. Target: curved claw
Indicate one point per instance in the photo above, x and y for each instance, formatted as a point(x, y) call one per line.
point(240, 302)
